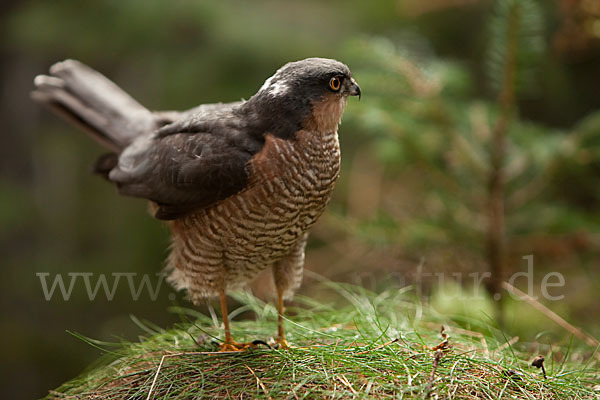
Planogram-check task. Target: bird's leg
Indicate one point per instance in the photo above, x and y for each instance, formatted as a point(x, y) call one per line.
point(283, 344)
point(229, 344)
point(225, 315)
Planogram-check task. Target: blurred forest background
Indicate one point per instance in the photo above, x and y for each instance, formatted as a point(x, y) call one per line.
point(438, 142)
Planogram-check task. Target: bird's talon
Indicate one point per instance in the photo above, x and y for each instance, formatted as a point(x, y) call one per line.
point(283, 344)
point(236, 346)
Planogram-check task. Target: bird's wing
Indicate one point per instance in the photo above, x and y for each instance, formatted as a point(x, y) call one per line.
point(190, 164)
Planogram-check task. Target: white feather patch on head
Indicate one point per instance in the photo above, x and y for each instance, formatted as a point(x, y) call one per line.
point(278, 88)
point(265, 85)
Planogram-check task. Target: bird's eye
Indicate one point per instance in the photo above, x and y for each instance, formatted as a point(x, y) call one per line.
point(335, 83)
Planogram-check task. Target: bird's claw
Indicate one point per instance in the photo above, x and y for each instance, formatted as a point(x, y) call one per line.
point(235, 346)
point(282, 344)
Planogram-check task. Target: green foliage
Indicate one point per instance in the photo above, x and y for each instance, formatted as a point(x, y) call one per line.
point(423, 121)
point(516, 26)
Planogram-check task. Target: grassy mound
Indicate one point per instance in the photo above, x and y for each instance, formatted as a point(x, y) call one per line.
point(372, 346)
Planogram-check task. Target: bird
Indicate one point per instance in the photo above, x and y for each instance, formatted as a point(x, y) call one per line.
point(239, 184)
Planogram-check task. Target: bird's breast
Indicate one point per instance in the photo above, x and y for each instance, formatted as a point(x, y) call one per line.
point(303, 169)
point(291, 182)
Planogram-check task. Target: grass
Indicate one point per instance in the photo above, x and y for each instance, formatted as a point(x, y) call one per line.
point(360, 345)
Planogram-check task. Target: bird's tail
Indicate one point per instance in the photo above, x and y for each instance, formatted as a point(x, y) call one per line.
point(91, 101)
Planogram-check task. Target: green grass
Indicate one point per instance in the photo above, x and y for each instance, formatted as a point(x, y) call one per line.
point(358, 345)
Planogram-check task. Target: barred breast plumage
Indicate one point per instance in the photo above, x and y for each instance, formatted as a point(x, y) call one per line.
point(230, 243)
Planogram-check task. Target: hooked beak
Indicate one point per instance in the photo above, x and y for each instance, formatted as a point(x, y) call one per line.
point(353, 89)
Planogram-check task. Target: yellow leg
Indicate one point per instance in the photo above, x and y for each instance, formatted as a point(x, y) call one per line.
point(229, 344)
point(283, 344)
point(225, 316)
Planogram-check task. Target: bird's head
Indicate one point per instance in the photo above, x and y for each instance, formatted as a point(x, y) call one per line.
point(313, 79)
point(309, 93)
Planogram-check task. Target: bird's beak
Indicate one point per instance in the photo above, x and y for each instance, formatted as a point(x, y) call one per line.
point(353, 89)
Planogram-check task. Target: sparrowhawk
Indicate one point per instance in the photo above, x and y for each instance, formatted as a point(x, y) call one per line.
point(239, 184)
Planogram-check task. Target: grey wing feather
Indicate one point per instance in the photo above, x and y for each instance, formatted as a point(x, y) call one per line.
point(188, 165)
point(168, 117)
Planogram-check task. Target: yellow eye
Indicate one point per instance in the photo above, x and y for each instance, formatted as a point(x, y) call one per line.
point(335, 83)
